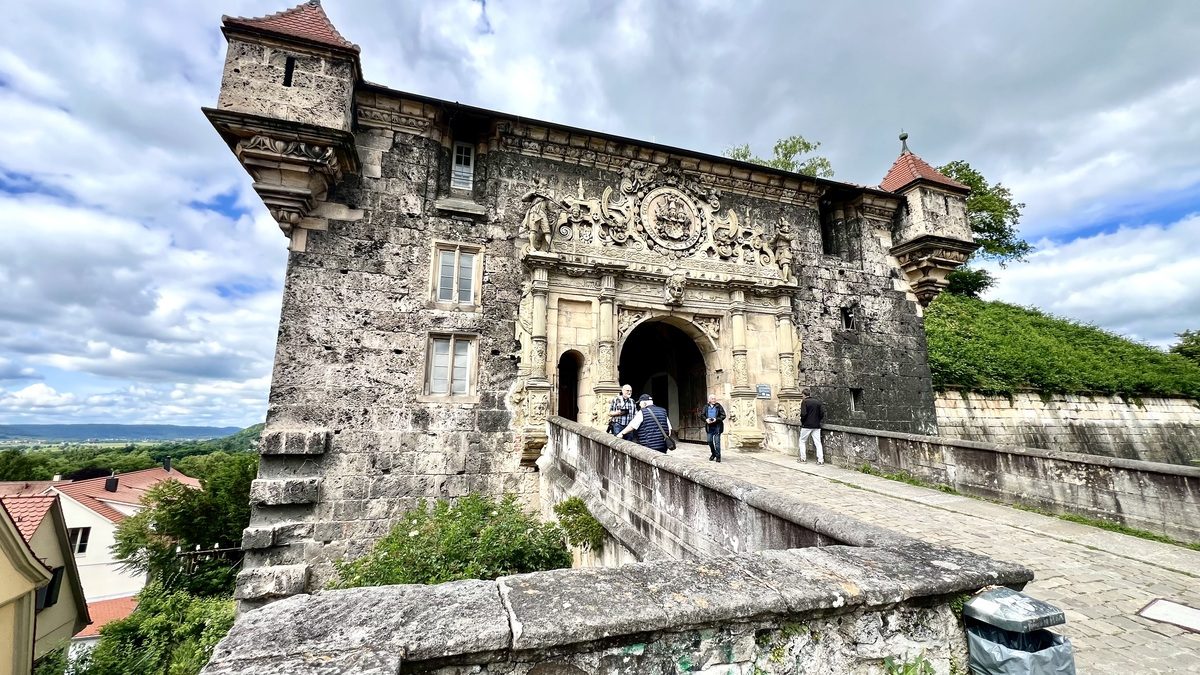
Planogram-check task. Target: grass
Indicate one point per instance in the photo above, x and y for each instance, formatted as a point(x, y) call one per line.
point(997, 348)
point(905, 477)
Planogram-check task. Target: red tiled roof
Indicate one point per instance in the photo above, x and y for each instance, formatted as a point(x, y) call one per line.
point(28, 512)
point(130, 489)
point(909, 168)
point(22, 488)
point(107, 611)
point(306, 21)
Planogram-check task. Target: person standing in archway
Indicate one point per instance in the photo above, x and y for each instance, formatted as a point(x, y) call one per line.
point(812, 414)
point(620, 410)
point(652, 425)
point(714, 423)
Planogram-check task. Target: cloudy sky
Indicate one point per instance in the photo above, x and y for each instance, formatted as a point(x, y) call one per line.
point(140, 277)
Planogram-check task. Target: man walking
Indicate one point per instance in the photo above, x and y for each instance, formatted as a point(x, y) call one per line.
point(651, 424)
point(620, 410)
point(812, 413)
point(714, 421)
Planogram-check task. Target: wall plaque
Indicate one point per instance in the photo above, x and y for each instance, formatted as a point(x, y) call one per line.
point(764, 390)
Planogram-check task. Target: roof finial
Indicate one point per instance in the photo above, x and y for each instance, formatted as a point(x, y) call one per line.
point(315, 3)
point(904, 143)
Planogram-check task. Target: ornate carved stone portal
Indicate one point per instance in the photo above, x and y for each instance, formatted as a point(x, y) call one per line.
point(659, 246)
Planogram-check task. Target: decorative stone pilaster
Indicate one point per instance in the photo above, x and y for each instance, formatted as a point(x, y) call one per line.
point(607, 387)
point(537, 386)
point(747, 434)
point(785, 337)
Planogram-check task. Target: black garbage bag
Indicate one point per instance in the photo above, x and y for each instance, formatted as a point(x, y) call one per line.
point(995, 651)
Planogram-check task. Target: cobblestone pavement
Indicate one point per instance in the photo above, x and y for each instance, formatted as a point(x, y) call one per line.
point(1099, 578)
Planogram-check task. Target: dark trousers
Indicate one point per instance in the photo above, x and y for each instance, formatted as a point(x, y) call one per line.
point(714, 444)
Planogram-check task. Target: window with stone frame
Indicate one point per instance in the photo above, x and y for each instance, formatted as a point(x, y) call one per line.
point(456, 273)
point(462, 170)
point(849, 318)
point(448, 370)
point(856, 400)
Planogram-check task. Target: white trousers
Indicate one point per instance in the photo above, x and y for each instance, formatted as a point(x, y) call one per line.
point(816, 437)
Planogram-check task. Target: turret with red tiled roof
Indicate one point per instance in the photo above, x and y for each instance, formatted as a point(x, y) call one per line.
point(909, 169)
point(306, 21)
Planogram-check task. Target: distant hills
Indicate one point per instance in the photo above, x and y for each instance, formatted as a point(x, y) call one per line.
point(78, 433)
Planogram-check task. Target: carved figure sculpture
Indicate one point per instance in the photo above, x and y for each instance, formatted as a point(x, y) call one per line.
point(537, 221)
point(783, 249)
point(674, 289)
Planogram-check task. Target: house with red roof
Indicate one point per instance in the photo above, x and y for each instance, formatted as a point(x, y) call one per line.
point(93, 508)
point(57, 602)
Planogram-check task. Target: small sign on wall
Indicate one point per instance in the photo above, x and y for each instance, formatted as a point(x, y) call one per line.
point(764, 390)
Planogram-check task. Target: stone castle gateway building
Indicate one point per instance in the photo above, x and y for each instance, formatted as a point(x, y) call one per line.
point(457, 275)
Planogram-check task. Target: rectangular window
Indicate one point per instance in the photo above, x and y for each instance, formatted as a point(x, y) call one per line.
point(848, 322)
point(455, 274)
point(79, 539)
point(856, 400)
point(462, 174)
point(828, 214)
point(449, 366)
point(47, 596)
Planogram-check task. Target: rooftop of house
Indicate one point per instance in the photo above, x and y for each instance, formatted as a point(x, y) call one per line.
point(21, 488)
point(306, 21)
point(107, 611)
point(28, 512)
point(130, 489)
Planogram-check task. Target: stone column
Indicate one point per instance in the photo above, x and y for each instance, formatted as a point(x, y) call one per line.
point(606, 387)
point(785, 336)
point(747, 430)
point(537, 386)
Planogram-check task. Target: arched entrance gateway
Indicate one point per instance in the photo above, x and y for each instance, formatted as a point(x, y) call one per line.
point(660, 359)
point(655, 283)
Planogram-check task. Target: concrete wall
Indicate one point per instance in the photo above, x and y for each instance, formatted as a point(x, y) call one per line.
point(1157, 497)
point(1152, 429)
point(832, 610)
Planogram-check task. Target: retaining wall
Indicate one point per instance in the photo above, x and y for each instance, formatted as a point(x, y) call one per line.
point(1161, 498)
point(839, 609)
point(1150, 429)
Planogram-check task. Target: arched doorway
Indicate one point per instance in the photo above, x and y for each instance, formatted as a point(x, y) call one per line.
point(660, 359)
point(569, 366)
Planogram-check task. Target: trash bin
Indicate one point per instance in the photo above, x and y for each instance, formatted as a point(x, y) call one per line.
point(1006, 635)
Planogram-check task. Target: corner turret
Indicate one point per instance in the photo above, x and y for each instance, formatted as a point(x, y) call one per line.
point(286, 108)
point(931, 234)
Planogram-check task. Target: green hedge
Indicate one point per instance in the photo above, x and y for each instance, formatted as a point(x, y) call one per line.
point(997, 348)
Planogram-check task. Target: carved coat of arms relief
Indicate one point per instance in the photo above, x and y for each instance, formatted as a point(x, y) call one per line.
point(657, 210)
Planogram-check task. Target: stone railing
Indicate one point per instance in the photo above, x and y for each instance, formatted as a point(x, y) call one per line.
point(656, 506)
point(834, 609)
point(1162, 498)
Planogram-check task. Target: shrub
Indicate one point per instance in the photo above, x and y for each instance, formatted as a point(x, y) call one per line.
point(997, 348)
point(170, 632)
point(473, 538)
point(581, 527)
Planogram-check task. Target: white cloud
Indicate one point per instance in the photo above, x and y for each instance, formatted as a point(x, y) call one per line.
point(136, 302)
point(1143, 282)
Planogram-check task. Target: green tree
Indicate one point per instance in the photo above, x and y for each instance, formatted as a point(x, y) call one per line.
point(1188, 346)
point(993, 214)
point(790, 154)
point(170, 633)
point(473, 538)
point(176, 516)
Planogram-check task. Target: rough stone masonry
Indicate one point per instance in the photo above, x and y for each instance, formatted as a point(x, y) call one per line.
point(458, 275)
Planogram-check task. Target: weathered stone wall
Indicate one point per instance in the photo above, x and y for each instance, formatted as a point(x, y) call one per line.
point(832, 610)
point(1148, 495)
point(1149, 429)
point(658, 507)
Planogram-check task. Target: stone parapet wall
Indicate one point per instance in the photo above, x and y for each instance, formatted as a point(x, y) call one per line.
point(837, 609)
point(1157, 497)
point(658, 507)
point(1149, 429)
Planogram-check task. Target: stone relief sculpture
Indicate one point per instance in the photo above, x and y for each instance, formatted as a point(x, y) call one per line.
point(709, 324)
point(657, 209)
point(627, 318)
point(783, 249)
point(537, 221)
point(673, 289)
